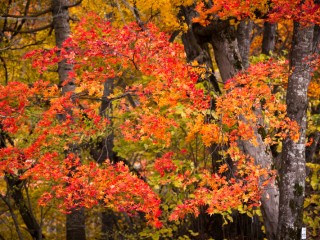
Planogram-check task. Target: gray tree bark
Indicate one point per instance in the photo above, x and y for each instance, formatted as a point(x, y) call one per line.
point(223, 38)
point(60, 14)
point(293, 170)
point(228, 58)
point(75, 222)
point(269, 38)
point(270, 196)
point(196, 45)
point(226, 50)
point(244, 40)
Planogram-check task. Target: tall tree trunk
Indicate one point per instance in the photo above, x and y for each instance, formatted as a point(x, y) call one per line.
point(108, 223)
point(270, 195)
point(60, 14)
point(228, 58)
point(106, 152)
point(244, 40)
point(75, 222)
point(75, 225)
point(226, 50)
point(293, 169)
point(223, 38)
point(196, 45)
point(269, 38)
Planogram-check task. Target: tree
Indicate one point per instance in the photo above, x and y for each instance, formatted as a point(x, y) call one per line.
point(293, 169)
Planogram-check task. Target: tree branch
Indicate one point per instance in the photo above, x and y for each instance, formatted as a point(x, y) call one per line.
point(31, 16)
point(23, 21)
point(30, 30)
point(75, 4)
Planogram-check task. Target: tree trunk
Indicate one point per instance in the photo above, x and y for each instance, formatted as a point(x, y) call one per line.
point(75, 222)
point(293, 169)
point(229, 62)
point(270, 195)
point(60, 14)
point(75, 225)
point(244, 40)
point(106, 152)
point(13, 215)
point(269, 38)
point(226, 50)
point(108, 225)
point(196, 45)
point(223, 38)
point(316, 39)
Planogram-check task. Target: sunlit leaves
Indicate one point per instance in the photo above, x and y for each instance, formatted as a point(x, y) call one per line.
point(249, 101)
point(158, 108)
point(306, 12)
point(222, 194)
point(86, 185)
point(13, 100)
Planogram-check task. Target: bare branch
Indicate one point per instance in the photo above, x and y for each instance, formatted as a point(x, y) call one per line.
point(23, 18)
point(29, 45)
point(31, 16)
point(42, 12)
point(6, 48)
point(30, 30)
point(75, 4)
point(135, 13)
point(19, 27)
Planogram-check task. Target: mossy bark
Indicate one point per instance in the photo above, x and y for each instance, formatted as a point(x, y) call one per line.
point(293, 169)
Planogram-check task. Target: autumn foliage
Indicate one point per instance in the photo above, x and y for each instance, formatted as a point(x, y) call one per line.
point(276, 10)
point(45, 125)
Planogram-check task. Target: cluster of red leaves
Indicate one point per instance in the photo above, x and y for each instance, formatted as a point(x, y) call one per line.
point(136, 54)
point(305, 12)
point(165, 164)
point(161, 83)
point(13, 100)
point(249, 101)
point(86, 185)
point(55, 121)
point(29, 117)
point(221, 194)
